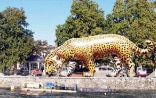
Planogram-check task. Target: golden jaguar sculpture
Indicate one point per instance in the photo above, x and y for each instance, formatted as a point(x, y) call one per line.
point(87, 49)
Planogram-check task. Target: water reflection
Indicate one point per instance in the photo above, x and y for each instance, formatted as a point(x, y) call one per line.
point(121, 94)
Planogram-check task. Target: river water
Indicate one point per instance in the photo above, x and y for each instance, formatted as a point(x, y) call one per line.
point(120, 94)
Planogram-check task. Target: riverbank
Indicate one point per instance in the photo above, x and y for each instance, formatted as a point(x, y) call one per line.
point(86, 84)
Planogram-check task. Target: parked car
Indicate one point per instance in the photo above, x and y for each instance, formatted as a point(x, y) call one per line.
point(8, 72)
point(23, 71)
point(113, 71)
point(141, 72)
point(106, 68)
point(36, 72)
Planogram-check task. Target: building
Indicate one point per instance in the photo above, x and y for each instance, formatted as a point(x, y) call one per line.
point(34, 62)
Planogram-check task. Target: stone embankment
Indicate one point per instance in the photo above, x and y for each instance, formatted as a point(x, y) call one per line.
point(92, 84)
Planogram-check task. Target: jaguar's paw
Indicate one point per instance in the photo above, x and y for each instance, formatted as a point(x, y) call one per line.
point(63, 73)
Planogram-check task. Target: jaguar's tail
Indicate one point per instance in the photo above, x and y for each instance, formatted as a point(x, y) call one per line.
point(150, 47)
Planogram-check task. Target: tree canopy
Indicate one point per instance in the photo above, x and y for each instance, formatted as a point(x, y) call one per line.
point(40, 46)
point(85, 19)
point(16, 41)
point(135, 19)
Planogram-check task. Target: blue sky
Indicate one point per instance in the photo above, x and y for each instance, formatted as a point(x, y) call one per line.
point(44, 15)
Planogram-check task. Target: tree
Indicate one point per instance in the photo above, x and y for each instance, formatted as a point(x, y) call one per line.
point(39, 47)
point(86, 19)
point(16, 41)
point(135, 19)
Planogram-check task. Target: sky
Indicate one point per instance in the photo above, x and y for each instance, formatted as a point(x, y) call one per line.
point(43, 16)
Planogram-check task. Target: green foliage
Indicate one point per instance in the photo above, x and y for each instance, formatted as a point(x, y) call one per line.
point(86, 19)
point(40, 46)
point(135, 19)
point(16, 41)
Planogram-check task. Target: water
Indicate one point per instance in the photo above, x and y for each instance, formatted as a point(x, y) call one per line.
point(121, 94)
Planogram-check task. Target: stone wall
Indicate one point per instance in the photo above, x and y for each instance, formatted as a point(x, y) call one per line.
point(96, 84)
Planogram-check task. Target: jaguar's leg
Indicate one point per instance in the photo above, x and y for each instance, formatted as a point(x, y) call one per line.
point(124, 72)
point(118, 67)
point(116, 71)
point(91, 68)
point(131, 69)
point(70, 69)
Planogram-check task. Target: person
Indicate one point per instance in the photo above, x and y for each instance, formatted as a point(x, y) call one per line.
point(75, 87)
point(57, 85)
point(63, 86)
point(42, 68)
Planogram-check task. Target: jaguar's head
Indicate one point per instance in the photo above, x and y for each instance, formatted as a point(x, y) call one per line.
point(52, 63)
